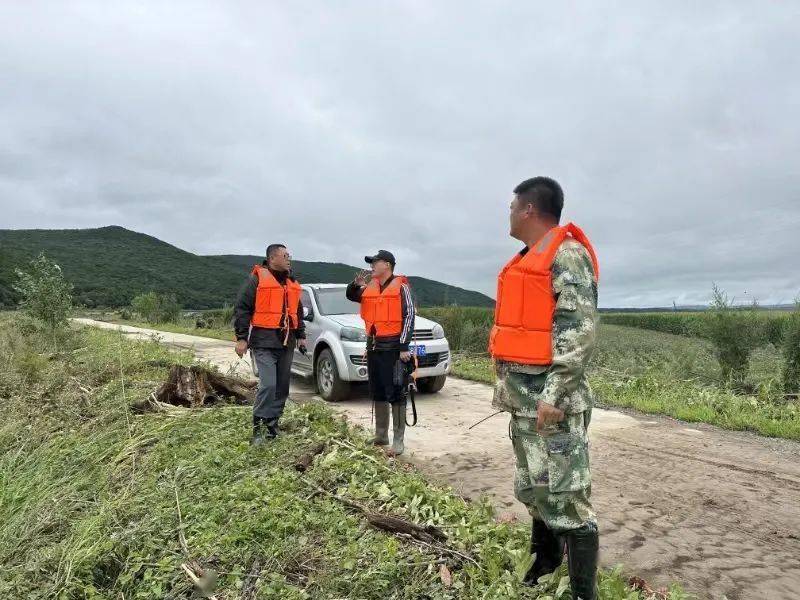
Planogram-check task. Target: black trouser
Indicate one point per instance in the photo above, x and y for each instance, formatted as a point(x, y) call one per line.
point(388, 379)
point(274, 375)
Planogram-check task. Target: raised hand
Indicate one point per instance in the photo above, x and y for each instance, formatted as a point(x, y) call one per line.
point(362, 277)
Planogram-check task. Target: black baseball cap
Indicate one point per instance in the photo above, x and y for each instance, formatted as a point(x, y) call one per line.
point(381, 255)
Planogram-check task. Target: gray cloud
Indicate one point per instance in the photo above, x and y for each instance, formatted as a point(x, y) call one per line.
point(341, 128)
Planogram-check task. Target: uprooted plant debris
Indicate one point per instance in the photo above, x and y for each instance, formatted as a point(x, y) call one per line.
point(195, 386)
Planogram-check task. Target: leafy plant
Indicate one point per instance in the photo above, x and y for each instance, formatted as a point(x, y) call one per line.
point(157, 308)
point(46, 295)
point(735, 334)
point(790, 373)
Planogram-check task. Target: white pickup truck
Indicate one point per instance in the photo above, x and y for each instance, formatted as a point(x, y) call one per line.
point(336, 342)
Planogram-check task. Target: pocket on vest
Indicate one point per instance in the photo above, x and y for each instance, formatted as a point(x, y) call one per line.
point(381, 311)
point(537, 311)
point(568, 462)
point(509, 309)
point(266, 298)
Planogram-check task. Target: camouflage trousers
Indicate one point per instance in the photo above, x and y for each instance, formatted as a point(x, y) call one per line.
point(552, 477)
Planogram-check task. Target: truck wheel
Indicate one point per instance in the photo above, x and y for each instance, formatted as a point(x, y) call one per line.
point(329, 385)
point(431, 385)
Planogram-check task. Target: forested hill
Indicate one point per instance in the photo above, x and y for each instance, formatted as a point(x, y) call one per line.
point(110, 265)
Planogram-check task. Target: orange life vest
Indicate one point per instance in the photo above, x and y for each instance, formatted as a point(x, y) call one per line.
point(383, 311)
point(271, 298)
point(523, 319)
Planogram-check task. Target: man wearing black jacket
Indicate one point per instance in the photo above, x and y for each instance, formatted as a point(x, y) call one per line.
point(388, 313)
point(269, 322)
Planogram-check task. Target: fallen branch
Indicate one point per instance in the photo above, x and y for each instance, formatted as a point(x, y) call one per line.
point(181, 536)
point(441, 549)
point(398, 525)
point(197, 581)
point(428, 534)
point(639, 584)
point(305, 460)
point(485, 419)
point(249, 586)
point(151, 404)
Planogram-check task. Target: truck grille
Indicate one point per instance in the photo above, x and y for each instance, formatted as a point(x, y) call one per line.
point(432, 359)
point(429, 360)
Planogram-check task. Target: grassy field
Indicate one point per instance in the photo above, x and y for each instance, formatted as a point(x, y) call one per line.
point(696, 323)
point(97, 501)
point(660, 373)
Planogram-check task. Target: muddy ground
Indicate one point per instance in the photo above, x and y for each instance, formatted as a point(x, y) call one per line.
point(717, 511)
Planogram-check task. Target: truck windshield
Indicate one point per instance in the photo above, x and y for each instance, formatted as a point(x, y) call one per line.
point(332, 301)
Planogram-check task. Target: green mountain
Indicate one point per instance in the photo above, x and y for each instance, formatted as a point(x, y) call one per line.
point(426, 291)
point(110, 265)
point(307, 272)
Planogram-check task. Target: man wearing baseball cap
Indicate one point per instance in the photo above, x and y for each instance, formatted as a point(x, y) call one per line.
point(388, 313)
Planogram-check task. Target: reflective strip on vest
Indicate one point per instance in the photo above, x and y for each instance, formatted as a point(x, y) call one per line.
point(271, 298)
point(523, 329)
point(383, 311)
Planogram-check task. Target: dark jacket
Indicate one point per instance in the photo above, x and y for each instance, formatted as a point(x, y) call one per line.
point(393, 342)
point(261, 337)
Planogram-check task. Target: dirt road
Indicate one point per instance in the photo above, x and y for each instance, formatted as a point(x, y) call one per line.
point(715, 510)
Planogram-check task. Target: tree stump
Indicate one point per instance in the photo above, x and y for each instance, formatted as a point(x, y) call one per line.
point(196, 386)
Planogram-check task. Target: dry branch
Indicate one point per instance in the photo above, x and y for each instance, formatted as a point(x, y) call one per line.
point(305, 460)
point(429, 534)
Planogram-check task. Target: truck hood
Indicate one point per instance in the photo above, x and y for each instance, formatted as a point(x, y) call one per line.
point(355, 321)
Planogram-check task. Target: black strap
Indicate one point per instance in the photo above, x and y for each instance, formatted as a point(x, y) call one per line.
point(412, 391)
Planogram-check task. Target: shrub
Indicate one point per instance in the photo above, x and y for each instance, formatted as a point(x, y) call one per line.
point(678, 323)
point(46, 295)
point(467, 328)
point(791, 354)
point(735, 334)
point(220, 318)
point(157, 308)
point(775, 329)
point(695, 323)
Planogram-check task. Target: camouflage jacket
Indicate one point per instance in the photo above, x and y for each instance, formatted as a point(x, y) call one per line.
point(563, 384)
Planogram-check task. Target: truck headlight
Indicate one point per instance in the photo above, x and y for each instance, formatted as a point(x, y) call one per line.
point(353, 334)
point(438, 332)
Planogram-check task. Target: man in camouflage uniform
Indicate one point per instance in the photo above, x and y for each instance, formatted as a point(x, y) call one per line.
point(551, 405)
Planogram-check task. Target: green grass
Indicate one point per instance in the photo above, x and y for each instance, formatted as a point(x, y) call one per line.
point(89, 494)
point(696, 323)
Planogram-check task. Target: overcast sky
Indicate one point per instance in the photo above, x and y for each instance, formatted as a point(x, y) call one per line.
point(344, 127)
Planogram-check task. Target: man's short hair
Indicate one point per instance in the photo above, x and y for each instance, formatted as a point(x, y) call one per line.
point(544, 193)
point(272, 249)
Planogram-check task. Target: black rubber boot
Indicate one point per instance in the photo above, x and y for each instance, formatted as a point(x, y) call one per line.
point(258, 432)
point(271, 429)
point(583, 545)
point(549, 550)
